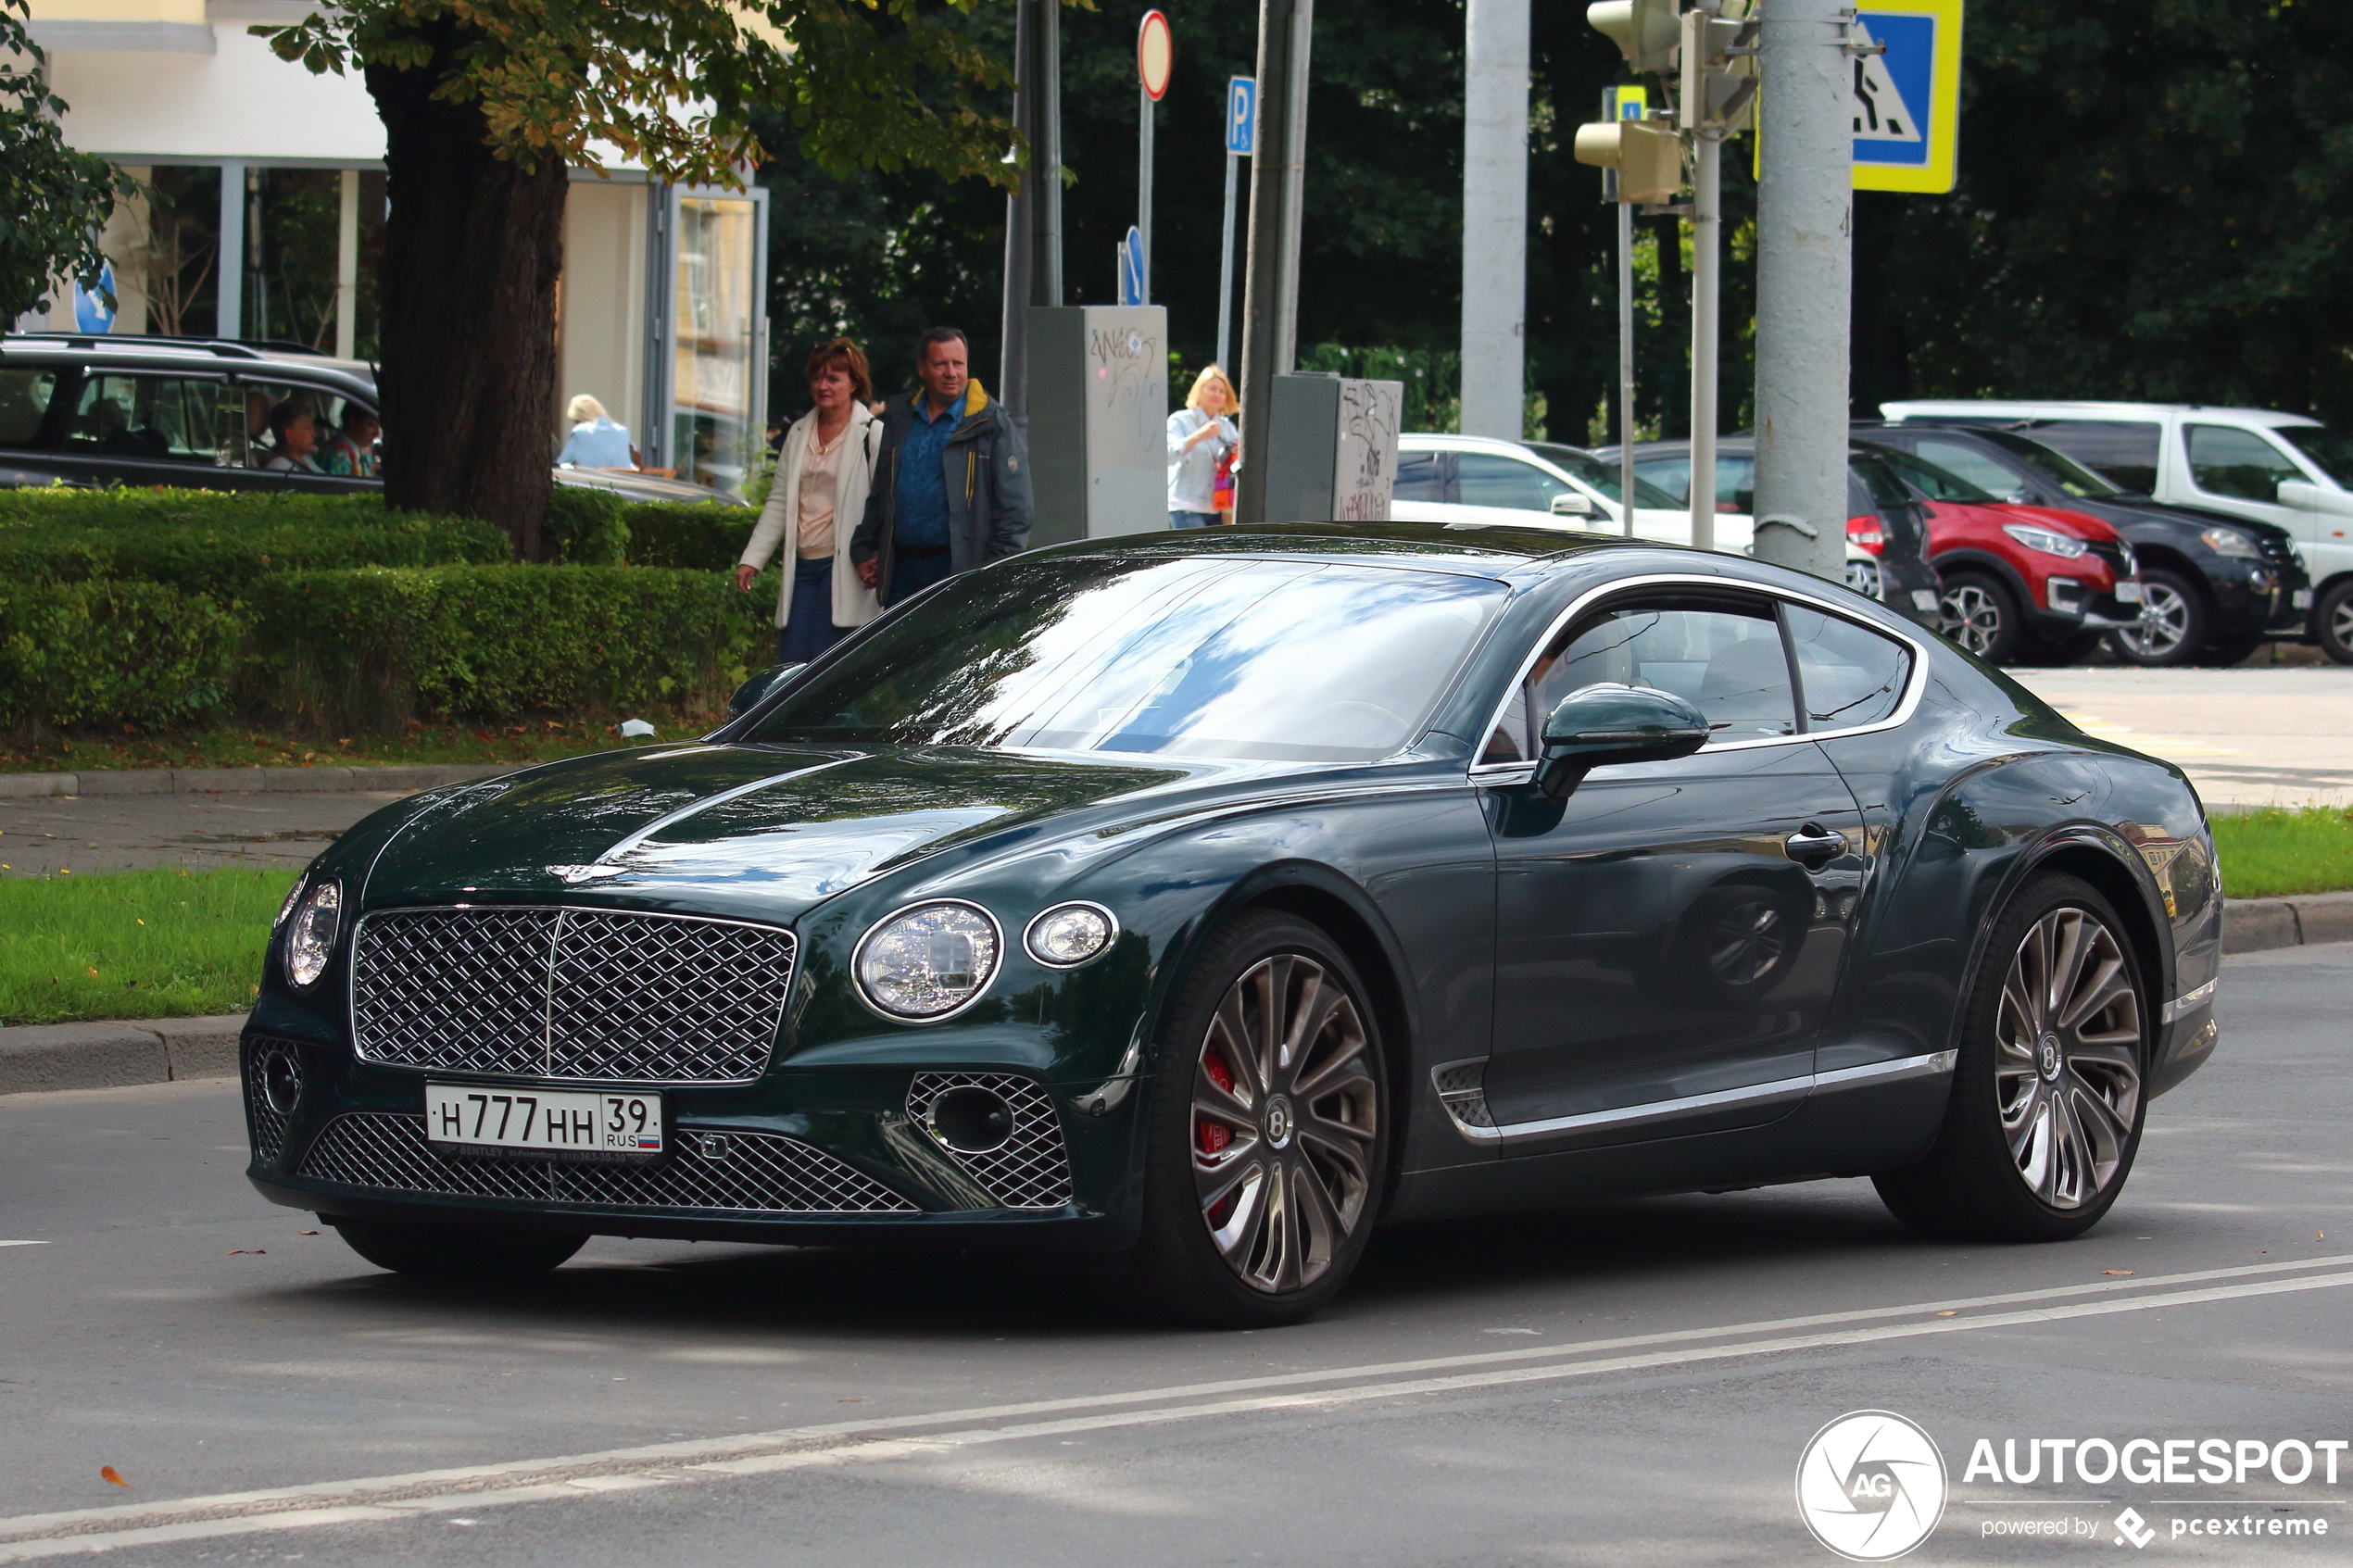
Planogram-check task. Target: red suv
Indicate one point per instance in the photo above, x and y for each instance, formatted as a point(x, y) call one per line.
point(2022, 584)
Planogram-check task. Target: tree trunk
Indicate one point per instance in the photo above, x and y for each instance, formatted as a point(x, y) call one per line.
point(472, 247)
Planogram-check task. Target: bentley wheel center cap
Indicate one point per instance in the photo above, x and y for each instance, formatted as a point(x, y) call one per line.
point(2050, 1056)
point(1278, 1121)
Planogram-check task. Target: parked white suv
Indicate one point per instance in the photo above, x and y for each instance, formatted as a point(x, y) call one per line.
point(2284, 468)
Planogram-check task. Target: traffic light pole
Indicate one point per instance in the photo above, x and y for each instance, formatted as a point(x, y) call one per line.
point(1804, 261)
point(1707, 221)
point(1270, 284)
point(1626, 366)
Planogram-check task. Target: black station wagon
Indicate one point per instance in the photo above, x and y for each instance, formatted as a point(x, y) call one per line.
point(1202, 901)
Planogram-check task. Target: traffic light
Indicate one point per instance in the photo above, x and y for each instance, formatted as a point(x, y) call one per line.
point(1648, 155)
point(1648, 32)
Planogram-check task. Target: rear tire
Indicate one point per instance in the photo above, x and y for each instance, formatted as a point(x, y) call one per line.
point(2174, 623)
point(2332, 623)
point(1983, 615)
point(2047, 1097)
point(1266, 1144)
point(456, 1252)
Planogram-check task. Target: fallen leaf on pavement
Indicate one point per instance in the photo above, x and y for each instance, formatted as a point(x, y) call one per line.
point(106, 1473)
point(248, 1251)
point(306, 1233)
point(2121, 1273)
point(1953, 1314)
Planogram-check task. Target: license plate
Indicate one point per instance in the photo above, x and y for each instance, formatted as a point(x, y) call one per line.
point(546, 1121)
point(2303, 599)
point(2128, 592)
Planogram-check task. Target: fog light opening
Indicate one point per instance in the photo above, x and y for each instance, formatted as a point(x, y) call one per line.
point(281, 1073)
point(971, 1120)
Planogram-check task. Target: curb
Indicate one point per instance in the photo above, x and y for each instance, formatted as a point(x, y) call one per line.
point(249, 780)
point(39, 1057)
point(2257, 925)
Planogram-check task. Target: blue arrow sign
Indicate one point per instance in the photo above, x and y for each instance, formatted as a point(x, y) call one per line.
point(1131, 269)
point(1241, 116)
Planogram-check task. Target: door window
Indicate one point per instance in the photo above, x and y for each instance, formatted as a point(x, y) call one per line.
point(2239, 463)
point(1851, 675)
point(160, 418)
point(1482, 478)
point(2125, 450)
point(1420, 477)
point(24, 399)
point(1966, 461)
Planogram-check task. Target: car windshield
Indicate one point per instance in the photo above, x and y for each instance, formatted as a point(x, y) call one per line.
point(2055, 466)
point(1198, 656)
point(1601, 475)
point(1937, 483)
point(2332, 452)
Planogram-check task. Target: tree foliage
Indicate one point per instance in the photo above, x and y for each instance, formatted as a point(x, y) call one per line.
point(53, 200)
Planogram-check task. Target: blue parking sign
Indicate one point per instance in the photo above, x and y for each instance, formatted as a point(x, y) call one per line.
point(1241, 116)
point(1907, 97)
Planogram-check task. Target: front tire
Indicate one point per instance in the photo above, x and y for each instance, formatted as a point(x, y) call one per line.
point(1983, 616)
point(456, 1252)
point(2174, 627)
point(1267, 1141)
point(2332, 623)
point(2047, 1097)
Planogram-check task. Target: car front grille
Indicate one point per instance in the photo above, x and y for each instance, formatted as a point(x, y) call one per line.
point(2119, 559)
point(708, 1171)
point(568, 992)
point(2279, 549)
point(1030, 1169)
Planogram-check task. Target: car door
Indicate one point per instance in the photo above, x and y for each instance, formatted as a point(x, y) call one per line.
point(1670, 936)
point(142, 428)
point(2240, 472)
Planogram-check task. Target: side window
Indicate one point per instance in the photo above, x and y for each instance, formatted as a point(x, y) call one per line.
point(24, 399)
point(1420, 477)
point(1726, 659)
point(1672, 475)
point(1735, 482)
point(1850, 675)
point(156, 417)
point(1959, 458)
point(1481, 479)
point(2125, 450)
point(2227, 461)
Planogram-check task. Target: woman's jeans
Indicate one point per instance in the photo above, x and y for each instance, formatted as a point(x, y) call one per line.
point(810, 630)
point(1191, 519)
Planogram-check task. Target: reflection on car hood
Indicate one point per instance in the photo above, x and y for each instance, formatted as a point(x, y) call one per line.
point(763, 831)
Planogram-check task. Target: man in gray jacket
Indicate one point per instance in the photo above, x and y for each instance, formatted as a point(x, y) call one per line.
point(952, 483)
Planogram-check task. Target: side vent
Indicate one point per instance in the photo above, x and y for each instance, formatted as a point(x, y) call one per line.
point(1462, 1089)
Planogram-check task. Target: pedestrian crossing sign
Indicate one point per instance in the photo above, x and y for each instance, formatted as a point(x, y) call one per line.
point(1907, 95)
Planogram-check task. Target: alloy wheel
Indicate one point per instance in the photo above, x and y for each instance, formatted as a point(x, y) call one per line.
point(1284, 1123)
point(1863, 576)
point(1975, 618)
point(2164, 624)
point(2066, 1074)
point(2341, 622)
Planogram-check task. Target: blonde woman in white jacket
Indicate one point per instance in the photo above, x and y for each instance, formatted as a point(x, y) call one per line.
point(814, 505)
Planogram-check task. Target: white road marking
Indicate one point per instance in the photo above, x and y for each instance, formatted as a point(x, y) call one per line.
point(23, 1244)
point(477, 1487)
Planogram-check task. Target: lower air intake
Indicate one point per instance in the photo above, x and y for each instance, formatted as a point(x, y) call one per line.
point(1030, 1169)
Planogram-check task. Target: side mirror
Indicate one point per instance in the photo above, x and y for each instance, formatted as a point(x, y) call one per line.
point(1597, 725)
point(748, 695)
point(1572, 503)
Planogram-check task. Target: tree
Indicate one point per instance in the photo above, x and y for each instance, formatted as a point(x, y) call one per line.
point(485, 103)
point(53, 200)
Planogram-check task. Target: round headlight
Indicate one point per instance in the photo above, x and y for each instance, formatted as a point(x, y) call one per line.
point(1069, 935)
point(928, 960)
point(311, 941)
point(287, 907)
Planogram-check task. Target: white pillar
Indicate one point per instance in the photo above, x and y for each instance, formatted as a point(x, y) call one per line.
point(348, 266)
point(1708, 293)
point(1494, 216)
point(229, 259)
point(1804, 261)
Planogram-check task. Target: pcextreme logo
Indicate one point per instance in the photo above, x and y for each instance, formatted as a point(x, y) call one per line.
point(1870, 1485)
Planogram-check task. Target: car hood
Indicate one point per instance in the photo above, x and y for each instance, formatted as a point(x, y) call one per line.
point(761, 832)
point(2082, 525)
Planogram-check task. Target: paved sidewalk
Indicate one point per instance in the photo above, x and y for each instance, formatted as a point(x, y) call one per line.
point(2246, 736)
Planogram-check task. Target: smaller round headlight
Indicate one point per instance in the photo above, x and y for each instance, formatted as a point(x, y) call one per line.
point(929, 960)
point(1069, 935)
point(311, 941)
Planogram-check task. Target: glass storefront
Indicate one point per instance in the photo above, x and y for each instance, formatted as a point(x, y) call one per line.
point(716, 438)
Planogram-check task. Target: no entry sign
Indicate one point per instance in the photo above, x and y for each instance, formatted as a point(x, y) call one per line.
point(1155, 55)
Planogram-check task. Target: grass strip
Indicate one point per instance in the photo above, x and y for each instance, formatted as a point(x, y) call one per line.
point(160, 942)
point(2271, 854)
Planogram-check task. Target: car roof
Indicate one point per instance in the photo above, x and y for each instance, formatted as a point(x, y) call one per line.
point(1981, 409)
point(1465, 549)
point(228, 355)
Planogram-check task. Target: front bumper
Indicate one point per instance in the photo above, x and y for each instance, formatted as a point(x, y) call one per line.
point(2072, 603)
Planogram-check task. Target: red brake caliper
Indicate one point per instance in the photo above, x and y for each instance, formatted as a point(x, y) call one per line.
point(1214, 1135)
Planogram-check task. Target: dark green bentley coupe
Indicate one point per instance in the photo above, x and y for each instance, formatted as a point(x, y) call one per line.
point(1201, 901)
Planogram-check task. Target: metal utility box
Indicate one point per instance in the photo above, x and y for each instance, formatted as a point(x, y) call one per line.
point(1098, 420)
point(1331, 449)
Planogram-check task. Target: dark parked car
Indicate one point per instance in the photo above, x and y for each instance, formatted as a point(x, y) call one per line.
point(1204, 900)
point(2213, 586)
point(102, 409)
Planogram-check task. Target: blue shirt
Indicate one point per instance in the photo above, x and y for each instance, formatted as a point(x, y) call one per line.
point(600, 444)
point(919, 495)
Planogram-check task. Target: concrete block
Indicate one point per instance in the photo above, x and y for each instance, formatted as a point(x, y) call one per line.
point(17, 784)
point(214, 781)
point(2324, 916)
point(125, 781)
point(200, 1047)
point(2254, 926)
point(80, 1056)
point(306, 780)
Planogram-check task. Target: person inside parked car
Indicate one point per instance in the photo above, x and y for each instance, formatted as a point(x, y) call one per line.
point(295, 436)
point(353, 451)
point(257, 408)
point(597, 439)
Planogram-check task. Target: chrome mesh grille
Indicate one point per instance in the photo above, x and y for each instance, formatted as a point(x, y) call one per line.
point(568, 992)
point(1462, 1089)
point(264, 1127)
point(1030, 1170)
point(737, 1173)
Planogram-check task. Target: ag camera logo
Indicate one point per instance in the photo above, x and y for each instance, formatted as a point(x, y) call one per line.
point(1870, 1485)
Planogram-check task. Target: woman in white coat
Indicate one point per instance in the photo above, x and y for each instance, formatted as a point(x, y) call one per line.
point(814, 505)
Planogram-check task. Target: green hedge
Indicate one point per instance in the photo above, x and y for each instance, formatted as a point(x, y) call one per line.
point(75, 654)
point(702, 536)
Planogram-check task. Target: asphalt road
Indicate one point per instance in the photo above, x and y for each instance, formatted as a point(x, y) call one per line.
point(46, 833)
point(1629, 1383)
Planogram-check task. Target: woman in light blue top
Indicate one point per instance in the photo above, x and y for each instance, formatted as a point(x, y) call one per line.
point(595, 441)
point(1200, 434)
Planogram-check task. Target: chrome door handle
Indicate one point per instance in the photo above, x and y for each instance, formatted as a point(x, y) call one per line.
point(1814, 844)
